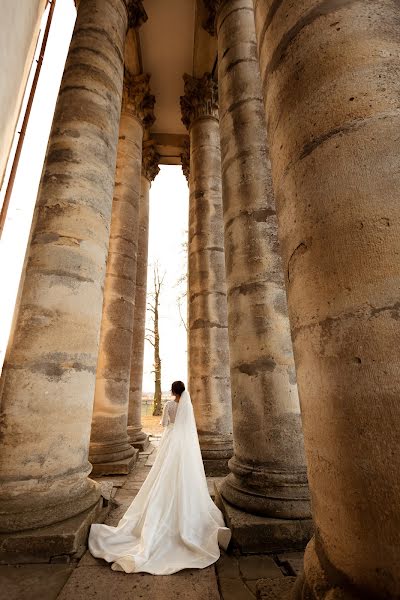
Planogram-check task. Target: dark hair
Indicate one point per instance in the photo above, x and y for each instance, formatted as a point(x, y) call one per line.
point(178, 387)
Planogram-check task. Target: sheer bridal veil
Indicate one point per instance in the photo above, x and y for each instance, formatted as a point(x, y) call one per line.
point(172, 523)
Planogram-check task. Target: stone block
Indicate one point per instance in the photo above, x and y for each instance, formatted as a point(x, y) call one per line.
point(114, 479)
point(254, 534)
point(142, 445)
point(259, 567)
point(98, 583)
point(150, 459)
point(234, 589)
point(275, 589)
point(148, 450)
point(227, 567)
point(67, 538)
point(211, 481)
point(292, 562)
point(216, 468)
point(120, 467)
point(106, 488)
point(33, 582)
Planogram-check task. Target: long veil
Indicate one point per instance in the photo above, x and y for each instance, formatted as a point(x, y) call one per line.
point(172, 523)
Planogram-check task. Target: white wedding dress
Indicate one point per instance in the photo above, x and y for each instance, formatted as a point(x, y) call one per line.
point(172, 523)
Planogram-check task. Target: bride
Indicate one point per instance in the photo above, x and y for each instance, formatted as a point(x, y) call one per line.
point(172, 523)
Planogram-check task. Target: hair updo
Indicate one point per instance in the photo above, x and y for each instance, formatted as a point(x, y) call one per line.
point(178, 387)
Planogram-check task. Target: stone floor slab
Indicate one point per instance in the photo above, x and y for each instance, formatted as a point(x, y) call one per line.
point(33, 582)
point(97, 583)
point(88, 560)
point(275, 589)
point(227, 567)
point(293, 562)
point(115, 480)
point(259, 567)
point(234, 589)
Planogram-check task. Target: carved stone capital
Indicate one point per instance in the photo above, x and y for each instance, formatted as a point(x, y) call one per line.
point(137, 100)
point(200, 99)
point(150, 160)
point(136, 13)
point(212, 7)
point(185, 159)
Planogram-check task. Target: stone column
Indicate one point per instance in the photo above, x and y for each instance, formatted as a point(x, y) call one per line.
point(138, 438)
point(268, 472)
point(49, 375)
point(209, 381)
point(331, 101)
point(110, 448)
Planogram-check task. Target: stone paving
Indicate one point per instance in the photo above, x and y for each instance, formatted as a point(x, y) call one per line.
point(233, 577)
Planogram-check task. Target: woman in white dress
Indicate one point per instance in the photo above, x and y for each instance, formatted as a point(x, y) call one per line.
point(172, 523)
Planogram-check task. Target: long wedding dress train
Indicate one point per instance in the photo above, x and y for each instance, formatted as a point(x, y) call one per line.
point(172, 523)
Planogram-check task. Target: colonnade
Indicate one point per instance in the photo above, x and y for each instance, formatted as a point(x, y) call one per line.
point(292, 165)
point(72, 338)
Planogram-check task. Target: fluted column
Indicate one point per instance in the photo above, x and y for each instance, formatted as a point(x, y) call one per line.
point(138, 438)
point(268, 472)
point(110, 448)
point(209, 380)
point(332, 105)
point(49, 376)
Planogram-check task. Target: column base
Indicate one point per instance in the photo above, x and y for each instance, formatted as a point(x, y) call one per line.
point(62, 541)
point(139, 440)
point(216, 467)
point(319, 583)
point(117, 467)
point(215, 452)
point(269, 492)
point(255, 534)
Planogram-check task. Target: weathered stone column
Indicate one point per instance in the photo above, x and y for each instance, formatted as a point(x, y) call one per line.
point(268, 472)
point(332, 105)
point(138, 438)
point(209, 381)
point(49, 375)
point(110, 448)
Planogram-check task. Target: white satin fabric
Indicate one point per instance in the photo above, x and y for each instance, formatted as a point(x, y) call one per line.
point(172, 524)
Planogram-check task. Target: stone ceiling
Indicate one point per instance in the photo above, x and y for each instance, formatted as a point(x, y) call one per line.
point(172, 42)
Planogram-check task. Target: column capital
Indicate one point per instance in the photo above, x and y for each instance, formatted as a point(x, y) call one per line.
point(150, 160)
point(200, 98)
point(137, 100)
point(185, 159)
point(136, 13)
point(212, 8)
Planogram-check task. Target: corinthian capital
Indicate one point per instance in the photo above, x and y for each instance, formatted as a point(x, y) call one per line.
point(150, 160)
point(200, 99)
point(185, 159)
point(136, 13)
point(137, 99)
point(212, 7)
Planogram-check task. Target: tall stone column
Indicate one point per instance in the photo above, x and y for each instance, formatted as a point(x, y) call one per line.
point(49, 375)
point(110, 448)
point(209, 381)
point(138, 438)
point(331, 101)
point(268, 472)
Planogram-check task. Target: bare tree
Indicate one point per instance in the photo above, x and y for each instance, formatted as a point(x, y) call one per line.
point(182, 284)
point(153, 336)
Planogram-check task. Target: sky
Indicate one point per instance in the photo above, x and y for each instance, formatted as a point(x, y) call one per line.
point(168, 213)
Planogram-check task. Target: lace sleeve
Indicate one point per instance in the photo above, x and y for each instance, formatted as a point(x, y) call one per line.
point(165, 417)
